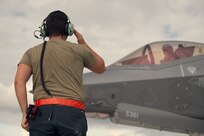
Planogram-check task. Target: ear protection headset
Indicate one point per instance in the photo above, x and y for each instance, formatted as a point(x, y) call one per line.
point(69, 28)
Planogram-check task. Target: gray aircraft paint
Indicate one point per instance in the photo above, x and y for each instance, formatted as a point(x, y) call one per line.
point(167, 96)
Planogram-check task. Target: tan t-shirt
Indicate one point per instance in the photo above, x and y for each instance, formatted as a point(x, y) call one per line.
point(63, 65)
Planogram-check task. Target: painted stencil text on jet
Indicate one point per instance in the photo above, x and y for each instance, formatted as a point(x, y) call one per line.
point(132, 114)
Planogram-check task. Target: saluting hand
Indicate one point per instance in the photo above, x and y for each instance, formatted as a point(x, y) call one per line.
point(79, 37)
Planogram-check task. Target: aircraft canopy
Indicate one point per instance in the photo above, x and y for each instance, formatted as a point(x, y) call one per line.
point(163, 52)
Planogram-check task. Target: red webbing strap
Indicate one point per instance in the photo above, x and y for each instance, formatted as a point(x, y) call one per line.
point(60, 101)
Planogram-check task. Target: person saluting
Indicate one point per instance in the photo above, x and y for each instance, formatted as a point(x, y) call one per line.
point(56, 67)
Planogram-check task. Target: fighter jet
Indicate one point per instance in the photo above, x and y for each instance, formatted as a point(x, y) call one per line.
point(159, 86)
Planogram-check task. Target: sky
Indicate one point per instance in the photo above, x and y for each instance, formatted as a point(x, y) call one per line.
point(113, 28)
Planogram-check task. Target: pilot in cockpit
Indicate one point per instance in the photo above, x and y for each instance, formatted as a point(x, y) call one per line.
point(168, 52)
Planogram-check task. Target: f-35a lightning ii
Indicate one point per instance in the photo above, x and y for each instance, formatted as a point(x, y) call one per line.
point(159, 86)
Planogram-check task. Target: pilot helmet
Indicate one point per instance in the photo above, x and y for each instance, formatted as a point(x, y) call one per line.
point(167, 48)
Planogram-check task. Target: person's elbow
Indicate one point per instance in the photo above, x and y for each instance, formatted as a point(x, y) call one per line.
point(102, 69)
point(98, 67)
point(19, 83)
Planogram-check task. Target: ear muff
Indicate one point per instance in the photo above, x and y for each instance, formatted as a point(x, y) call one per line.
point(69, 28)
point(43, 29)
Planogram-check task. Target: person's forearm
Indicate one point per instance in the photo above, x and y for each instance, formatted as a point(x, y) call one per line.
point(21, 94)
point(99, 66)
point(99, 60)
point(93, 52)
point(81, 40)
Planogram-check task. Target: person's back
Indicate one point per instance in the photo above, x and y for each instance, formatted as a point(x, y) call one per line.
point(62, 67)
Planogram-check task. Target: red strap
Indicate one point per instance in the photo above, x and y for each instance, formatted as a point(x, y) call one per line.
point(60, 101)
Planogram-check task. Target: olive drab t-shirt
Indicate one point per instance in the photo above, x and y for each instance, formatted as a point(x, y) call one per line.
point(63, 65)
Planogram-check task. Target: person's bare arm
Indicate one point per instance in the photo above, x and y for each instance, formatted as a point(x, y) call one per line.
point(99, 64)
point(22, 76)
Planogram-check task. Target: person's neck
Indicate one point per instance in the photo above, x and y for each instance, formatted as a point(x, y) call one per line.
point(60, 37)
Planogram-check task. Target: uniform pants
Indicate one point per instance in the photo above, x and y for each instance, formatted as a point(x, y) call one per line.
point(64, 121)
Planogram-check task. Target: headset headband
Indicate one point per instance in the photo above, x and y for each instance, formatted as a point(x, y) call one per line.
point(69, 28)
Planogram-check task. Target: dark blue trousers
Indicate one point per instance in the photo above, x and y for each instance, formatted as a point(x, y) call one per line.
point(64, 121)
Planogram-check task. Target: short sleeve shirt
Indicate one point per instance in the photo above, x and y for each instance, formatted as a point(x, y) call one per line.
point(63, 66)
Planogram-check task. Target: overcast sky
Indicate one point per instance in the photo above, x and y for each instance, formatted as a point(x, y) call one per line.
point(113, 28)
